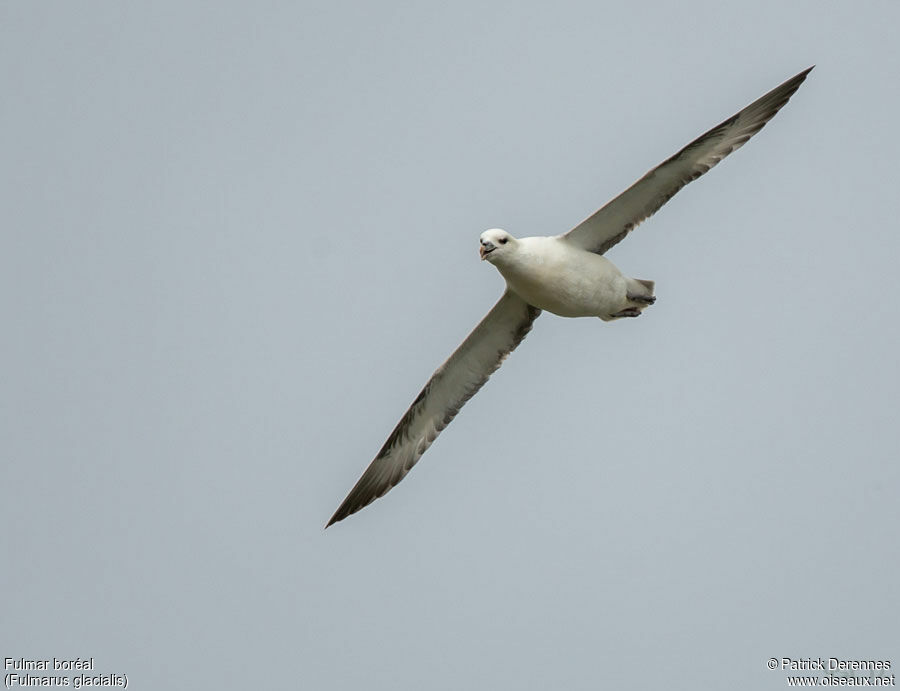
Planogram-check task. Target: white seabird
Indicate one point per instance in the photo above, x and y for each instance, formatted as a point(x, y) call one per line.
point(563, 274)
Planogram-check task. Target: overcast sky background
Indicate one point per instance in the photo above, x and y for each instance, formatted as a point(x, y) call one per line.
point(239, 237)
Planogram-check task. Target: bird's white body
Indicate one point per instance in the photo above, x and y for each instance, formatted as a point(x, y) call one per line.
point(559, 277)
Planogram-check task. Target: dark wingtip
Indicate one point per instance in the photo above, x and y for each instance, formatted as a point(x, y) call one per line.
point(802, 75)
point(791, 85)
point(339, 515)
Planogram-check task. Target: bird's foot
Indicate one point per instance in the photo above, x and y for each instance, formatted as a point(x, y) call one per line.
point(630, 312)
point(643, 299)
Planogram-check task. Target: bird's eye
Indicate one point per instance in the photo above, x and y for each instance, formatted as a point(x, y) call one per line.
point(502, 241)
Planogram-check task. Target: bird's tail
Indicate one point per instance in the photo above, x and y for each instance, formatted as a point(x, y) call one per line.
point(640, 294)
point(647, 284)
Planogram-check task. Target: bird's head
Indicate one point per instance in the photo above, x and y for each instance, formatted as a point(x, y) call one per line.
point(496, 244)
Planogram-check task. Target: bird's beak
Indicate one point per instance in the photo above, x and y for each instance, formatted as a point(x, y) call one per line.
point(486, 249)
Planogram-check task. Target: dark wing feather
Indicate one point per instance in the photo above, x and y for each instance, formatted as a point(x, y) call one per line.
point(454, 383)
point(614, 221)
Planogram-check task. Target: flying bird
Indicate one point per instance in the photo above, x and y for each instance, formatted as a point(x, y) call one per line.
point(563, 274)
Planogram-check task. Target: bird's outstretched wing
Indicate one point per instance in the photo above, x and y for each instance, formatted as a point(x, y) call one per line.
point(619, 217)
point(454, 383)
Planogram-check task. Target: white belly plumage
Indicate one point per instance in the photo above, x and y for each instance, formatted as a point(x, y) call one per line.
point(566, 282)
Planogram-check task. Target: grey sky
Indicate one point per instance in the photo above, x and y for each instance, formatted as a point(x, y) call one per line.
point(238, 238)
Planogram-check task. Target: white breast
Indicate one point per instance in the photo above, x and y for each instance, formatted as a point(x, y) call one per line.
point(551, 274)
